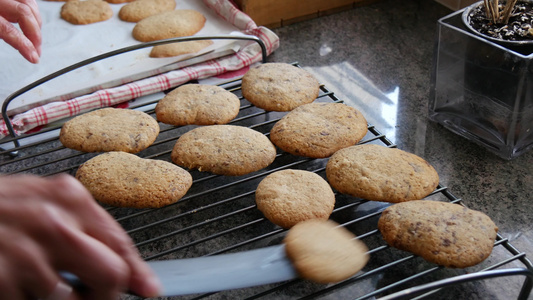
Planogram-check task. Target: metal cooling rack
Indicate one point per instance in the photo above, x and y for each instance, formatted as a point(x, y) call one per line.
point(218, 215)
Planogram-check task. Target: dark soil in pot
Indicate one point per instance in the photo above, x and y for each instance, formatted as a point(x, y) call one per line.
point(493, 77)
point(518, 28)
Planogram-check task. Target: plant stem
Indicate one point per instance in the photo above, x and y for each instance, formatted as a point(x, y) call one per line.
point(496, 10)
point(508, 10)
point(492, 10)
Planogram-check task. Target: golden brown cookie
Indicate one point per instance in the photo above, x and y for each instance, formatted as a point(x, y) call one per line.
point(175, 49)
point(118, 1)
point(379, 173)
point(318, 130)
point(447, 234)
point(288, 197)
point(279, 86)
point(126, 180)
point(81, 12)
point(170, 24)
point(198, 104)
point(224, 150)
point(110, 129)
point(323, 252)
point(141, 9)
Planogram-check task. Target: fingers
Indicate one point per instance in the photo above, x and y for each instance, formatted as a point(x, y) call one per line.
point(62, 291)
point(102, 270)
point(97, 223)
point(30, 22)
point(51, 238)
point(28, 40)
point(31, 276)
point(66, 230)
point(8, 285)
point(143, 281)
point(32, 4)
point(17, 40)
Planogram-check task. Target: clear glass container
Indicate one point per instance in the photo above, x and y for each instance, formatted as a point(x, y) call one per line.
point(482, 90)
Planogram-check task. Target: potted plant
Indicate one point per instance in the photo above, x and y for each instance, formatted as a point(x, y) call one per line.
point(509, 24)
point(482, 84)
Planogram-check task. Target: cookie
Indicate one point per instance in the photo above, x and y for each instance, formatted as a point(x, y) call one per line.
point(289, 197)
point(110, 129)
point(198, 104)
point(170, 24)
point(81, 12)
point(323, 252)
point(279, 87)
point(175, 49)
point(440, 232)
point(224, 150)
point(118, 1)
point(318, 130)
point(379, 173)
point(141, 9)
point(126, 180)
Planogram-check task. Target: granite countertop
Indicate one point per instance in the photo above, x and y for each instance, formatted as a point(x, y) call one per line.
point(378, 58)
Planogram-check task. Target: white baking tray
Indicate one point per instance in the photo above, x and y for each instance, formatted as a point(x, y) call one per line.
point(65, 44)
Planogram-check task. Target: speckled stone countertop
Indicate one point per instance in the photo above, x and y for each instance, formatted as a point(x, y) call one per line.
point(387, 48)
point(377, 58)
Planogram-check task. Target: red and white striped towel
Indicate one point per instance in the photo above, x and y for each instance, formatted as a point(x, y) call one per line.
point(246, 56)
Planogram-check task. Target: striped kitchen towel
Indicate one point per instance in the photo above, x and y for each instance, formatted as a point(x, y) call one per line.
point(246, 56)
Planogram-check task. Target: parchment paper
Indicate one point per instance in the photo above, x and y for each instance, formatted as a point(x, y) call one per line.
point(65, 44)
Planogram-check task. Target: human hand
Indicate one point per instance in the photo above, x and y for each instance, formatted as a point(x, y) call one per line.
point(53, 224)
point(27, 40)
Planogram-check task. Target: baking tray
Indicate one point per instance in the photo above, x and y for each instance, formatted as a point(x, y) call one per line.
point(218, 215)
point(64, 44)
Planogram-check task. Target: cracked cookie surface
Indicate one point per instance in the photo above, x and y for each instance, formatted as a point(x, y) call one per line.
point(142, 9)
point(224, 150)
point(110, 129)
point(198, 104)
point(169, 24)
point(318, 130)
point(85, 12)
point(444, 233)
point(379, 173)
point(279, 86)
point(125, 180)
point(288, 197)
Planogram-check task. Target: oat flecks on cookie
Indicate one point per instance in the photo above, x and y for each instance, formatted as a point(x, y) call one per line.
point(169, 24)
point(142, 9)
point(279, 86)
point(82, 12)
point(224, 150)
point(318, 130)
point(323, 252)
point(110, 129)
point(379, 173)
point(198, 104)
point(180, 48)
point(118, 1)
point(289, 197)
point(126, 180)
point(444, 233)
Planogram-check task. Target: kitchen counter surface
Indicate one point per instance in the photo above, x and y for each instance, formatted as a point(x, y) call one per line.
point(378, 58)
